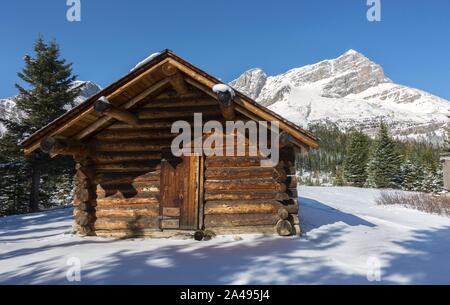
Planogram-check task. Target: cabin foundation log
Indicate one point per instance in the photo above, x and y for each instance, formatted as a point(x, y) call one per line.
point(85, 199)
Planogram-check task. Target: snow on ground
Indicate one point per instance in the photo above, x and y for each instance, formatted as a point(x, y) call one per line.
point(346, 236)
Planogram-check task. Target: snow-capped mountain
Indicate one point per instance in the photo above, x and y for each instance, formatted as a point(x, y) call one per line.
point(350, 91)
point(8, 106)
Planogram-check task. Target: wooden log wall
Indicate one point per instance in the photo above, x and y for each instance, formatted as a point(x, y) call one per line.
point(241, 196)
point(85, 198)
point(127, 162)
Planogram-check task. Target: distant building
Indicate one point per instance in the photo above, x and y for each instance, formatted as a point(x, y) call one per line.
point(445, 160)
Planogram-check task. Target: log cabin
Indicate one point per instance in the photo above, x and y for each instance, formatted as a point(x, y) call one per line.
point(128, 183)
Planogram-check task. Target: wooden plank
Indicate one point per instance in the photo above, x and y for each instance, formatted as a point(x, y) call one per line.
point(171, 212)
point(132, 223)
point(251, 195)
point(126, 178)
point(245, 185)
point(176, 102)
point(123, 167)
point(134, 134)
point(179, 113)
point(130, 146)
point(170, 224)
point(244, 207)
point(236, 220)
point(244, 173)
point(112, 157)
point(128, 201)
point(132, 212)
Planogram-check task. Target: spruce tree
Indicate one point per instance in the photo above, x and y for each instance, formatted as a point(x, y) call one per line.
point(355, 164)
point(385, 161)
point(48, 91)
point(413, 175)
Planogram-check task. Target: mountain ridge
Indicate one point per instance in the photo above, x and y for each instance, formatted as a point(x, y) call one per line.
point(350, 91)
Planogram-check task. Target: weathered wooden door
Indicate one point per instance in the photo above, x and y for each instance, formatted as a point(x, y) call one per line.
point(179, 193)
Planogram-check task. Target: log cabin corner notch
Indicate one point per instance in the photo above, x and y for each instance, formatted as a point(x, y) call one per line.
point(129, 184)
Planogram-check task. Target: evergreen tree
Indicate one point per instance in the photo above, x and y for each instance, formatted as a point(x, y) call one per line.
point(49, 90)
point(413, 175)
point(384, 165)
point(357, 156)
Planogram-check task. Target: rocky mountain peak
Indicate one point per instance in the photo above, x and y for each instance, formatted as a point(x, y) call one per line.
point(349, 91)
point(251, 82)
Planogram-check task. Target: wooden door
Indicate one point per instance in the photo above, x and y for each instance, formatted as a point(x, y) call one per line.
point(179, 193)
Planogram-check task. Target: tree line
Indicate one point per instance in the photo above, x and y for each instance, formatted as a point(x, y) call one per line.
point(355, 159)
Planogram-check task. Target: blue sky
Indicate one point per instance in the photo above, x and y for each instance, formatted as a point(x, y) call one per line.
point(412, 42)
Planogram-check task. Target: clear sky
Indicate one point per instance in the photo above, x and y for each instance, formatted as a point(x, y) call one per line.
point(412, 41)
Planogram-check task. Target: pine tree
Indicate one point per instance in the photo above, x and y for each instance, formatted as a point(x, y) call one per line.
point(413, 176)
point(355, 164)
point(49, 90)
point(384, 165)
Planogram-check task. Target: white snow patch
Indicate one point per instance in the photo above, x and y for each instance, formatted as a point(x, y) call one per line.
point(224, 88)
point(344, 229)
point(148, 59)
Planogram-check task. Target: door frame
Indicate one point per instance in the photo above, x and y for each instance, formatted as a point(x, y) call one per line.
point(188, 182)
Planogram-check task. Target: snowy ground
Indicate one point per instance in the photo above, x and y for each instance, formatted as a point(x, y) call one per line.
point(346, 236)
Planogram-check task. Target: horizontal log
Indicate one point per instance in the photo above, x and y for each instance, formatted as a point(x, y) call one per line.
point(151, 186)
point(244, 173)
point(130, 146)
point(127, 178)
point(186, 112)
point(247, 207)
point(69, 147)
point(245, 196)
point(265, 229)
point(132, 223)
point(134, 134)
point(245, 185)
point(163, 124)
point(111, 157)
point(183, 102)
point(240, 220)
point(128, 211)
point(126, 195)
point(221, 162)
point(128, 167)
point(129, 201)
point(143, 124)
